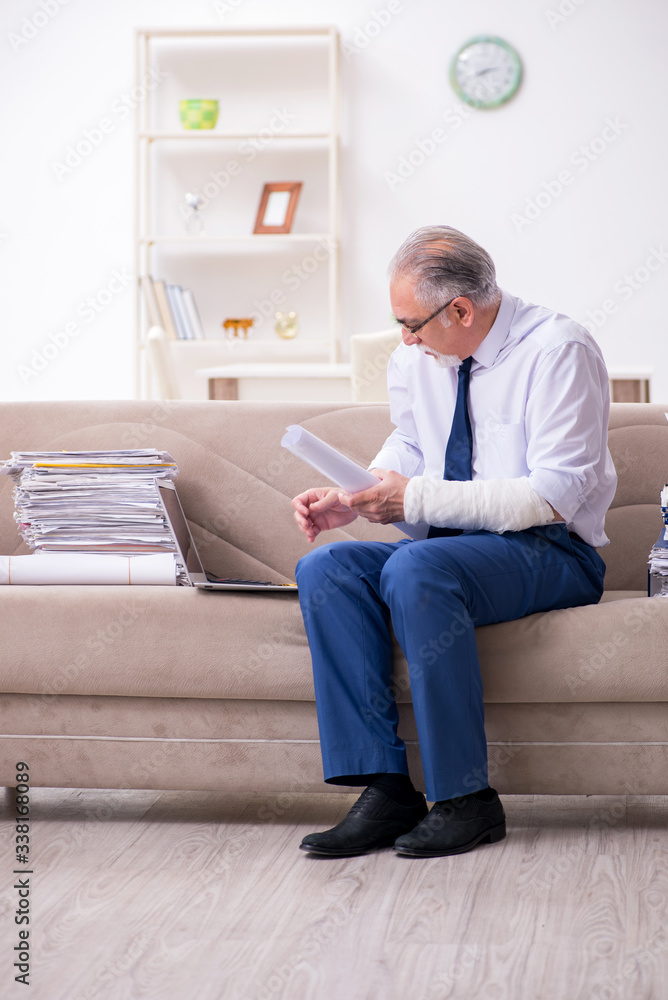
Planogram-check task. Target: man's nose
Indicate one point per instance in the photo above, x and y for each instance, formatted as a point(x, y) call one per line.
point(409, 338)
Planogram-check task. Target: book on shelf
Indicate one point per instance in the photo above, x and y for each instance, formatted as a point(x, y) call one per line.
point(173, 308)
point(152, 307)
point(175, 299)
point(165, 311)
point(193, 314)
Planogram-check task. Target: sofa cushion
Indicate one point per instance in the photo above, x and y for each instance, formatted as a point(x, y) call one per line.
point(183, 643)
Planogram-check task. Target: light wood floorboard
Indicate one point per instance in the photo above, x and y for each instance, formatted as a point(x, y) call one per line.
point(173, 896)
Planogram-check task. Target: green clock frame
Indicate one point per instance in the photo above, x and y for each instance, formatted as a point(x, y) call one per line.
point(513, 85)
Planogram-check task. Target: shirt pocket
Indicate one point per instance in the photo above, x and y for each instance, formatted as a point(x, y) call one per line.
point(501, 451)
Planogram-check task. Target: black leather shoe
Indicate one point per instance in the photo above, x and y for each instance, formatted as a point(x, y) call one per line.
point(374, 821)
point(455, 827)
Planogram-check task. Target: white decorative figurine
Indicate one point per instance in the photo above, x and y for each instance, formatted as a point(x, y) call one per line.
point(191, 213)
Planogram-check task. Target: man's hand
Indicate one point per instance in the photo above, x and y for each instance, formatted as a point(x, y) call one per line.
point(382, 504)
point(320, 509)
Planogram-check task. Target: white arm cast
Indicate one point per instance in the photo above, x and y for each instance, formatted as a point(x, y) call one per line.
point(491, 504)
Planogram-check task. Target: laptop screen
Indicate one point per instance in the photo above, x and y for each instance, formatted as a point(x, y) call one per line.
point(184, 540)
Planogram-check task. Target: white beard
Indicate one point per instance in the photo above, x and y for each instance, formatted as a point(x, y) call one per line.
point(442, 360)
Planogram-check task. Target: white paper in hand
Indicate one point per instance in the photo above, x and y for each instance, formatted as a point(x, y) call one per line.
point(341, 470)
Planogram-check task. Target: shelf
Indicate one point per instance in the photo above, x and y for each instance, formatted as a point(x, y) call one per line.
point(268, 239)
point(280, 106)
point(298, 346)
point(323, 31)
point(210, 135)
point(630, 371)
point(278, 369)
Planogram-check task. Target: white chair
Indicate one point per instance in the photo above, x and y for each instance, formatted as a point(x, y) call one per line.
point(163, 370)
point(369, 355)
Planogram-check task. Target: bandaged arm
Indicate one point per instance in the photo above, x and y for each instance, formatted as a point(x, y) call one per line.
point(489, 504)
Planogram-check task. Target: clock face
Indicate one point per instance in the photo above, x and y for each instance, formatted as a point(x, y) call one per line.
point(486, 72)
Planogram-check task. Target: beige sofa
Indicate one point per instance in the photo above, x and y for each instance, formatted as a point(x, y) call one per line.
point(175, 688)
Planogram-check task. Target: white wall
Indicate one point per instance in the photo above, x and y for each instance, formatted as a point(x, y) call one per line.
point(68, 240)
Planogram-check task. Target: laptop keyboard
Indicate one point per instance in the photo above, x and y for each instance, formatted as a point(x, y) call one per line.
point(254, 583)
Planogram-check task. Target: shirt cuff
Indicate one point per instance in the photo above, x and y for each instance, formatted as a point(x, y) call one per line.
point(562, 491)
point(388, 458)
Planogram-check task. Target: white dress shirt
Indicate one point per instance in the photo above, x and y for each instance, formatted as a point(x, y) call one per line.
point(538, 403)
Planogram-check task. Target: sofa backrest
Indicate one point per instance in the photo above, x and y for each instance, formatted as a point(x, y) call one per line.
point(236, 482)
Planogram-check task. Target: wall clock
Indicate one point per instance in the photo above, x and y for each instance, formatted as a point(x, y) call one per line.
point(486, 71)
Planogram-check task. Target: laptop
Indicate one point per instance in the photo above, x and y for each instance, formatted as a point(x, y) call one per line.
point(189, 556)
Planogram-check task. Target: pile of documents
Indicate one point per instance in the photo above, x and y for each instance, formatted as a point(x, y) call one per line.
point(658, 557)
point(93, 503)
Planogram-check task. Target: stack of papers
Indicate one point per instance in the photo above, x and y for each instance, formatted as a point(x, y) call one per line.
point(658, 557)
point(93, 502)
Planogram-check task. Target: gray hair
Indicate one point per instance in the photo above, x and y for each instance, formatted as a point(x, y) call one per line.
point(444, 264)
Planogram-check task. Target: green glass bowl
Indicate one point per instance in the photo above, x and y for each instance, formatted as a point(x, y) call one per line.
point(198, 113)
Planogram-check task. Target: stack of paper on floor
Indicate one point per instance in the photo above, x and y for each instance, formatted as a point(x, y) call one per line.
point(92, 517)
point(658, 557)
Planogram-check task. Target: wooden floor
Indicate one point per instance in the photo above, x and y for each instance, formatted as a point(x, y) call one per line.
point(194, 896)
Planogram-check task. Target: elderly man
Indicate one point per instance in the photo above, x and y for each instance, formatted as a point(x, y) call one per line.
point(500, 451)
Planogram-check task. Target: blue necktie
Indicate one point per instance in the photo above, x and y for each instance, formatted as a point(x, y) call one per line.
point(459, 450)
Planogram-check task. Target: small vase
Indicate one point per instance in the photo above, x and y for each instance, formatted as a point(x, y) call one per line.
point(286, 325)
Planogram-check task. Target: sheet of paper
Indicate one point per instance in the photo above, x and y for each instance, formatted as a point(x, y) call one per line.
point(341, 470)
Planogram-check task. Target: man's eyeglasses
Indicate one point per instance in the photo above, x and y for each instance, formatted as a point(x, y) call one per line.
point(414, 330)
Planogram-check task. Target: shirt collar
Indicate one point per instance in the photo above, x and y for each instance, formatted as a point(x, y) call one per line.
point(487, 353)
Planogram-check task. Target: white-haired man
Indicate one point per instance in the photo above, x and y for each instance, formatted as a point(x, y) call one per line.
point(500, 446)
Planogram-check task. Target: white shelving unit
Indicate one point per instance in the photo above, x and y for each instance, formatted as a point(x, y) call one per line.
point(279, 120)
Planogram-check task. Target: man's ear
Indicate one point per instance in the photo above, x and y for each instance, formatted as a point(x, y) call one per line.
point(464, 309)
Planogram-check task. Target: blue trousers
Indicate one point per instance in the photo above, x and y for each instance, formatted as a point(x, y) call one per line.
point(432, 593)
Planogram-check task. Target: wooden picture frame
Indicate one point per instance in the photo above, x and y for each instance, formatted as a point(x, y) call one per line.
point(277, 207)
